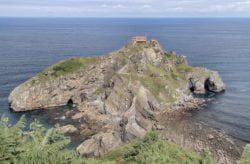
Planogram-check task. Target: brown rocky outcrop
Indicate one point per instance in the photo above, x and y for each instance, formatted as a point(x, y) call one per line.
point(210, 82)
point(119, 96)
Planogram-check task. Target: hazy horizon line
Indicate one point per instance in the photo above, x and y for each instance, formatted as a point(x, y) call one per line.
point(157, 17)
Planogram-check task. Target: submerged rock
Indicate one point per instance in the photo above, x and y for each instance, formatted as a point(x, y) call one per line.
point(118, 96)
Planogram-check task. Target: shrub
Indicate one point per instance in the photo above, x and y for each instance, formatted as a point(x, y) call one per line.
point(151, 149)
point(156, 151)
point(35, 145)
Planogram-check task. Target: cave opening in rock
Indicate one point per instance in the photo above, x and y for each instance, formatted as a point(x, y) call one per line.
point(191, 85)
point(70, 103)
point(208, 85)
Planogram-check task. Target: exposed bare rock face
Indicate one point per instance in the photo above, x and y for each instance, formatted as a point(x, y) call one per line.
point(201, 84)
point(119, 96)
point(99, 144)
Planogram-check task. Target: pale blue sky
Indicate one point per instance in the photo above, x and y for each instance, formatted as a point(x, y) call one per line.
point(126, 8)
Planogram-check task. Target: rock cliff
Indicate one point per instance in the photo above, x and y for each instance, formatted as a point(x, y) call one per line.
point(118, 96)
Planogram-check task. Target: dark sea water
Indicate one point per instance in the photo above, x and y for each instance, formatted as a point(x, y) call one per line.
point(28, 45)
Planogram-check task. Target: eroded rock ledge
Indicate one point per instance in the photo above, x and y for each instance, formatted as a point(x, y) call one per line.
point(119, 96)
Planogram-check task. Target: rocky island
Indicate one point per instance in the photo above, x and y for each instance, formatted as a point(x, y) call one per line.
point(125, 94)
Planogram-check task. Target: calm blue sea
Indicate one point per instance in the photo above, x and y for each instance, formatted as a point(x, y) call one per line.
point(28, 45)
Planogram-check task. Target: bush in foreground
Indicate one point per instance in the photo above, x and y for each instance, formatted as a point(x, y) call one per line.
point(154, 150)
point(35, 145)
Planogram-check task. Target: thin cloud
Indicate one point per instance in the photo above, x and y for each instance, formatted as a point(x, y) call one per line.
point(146, 6)
point(125, 8)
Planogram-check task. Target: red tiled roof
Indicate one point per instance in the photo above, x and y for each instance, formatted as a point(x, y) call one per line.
point(140, 39)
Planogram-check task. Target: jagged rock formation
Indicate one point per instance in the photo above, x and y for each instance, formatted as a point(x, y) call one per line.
point(118, 96)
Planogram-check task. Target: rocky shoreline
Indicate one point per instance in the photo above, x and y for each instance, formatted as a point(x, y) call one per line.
point(122, 96)
point(178, 128)
point(201, 138)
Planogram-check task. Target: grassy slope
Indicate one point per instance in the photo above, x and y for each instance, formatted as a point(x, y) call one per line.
point(66, 67)
point(72, 65)
point(164, 86)
point(153, 150)
point(245, 159)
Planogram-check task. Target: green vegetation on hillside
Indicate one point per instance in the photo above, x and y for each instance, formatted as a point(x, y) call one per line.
point(183, 68)
point(67, 66)
point(245, 159)
point(151, 149)
point(38, 145)
point(158, 81)
point(171, 54)
point(131, 49)
point(155, 85)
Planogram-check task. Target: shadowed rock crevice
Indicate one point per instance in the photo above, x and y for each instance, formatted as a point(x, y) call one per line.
point(70, 103)
point(209, 85)
point(191, 84)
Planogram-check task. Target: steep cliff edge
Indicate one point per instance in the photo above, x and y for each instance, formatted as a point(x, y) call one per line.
point(119, 96)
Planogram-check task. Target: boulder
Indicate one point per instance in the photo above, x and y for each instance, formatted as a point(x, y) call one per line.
point(68, 129)
point(99, 144)
point(77, 116)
